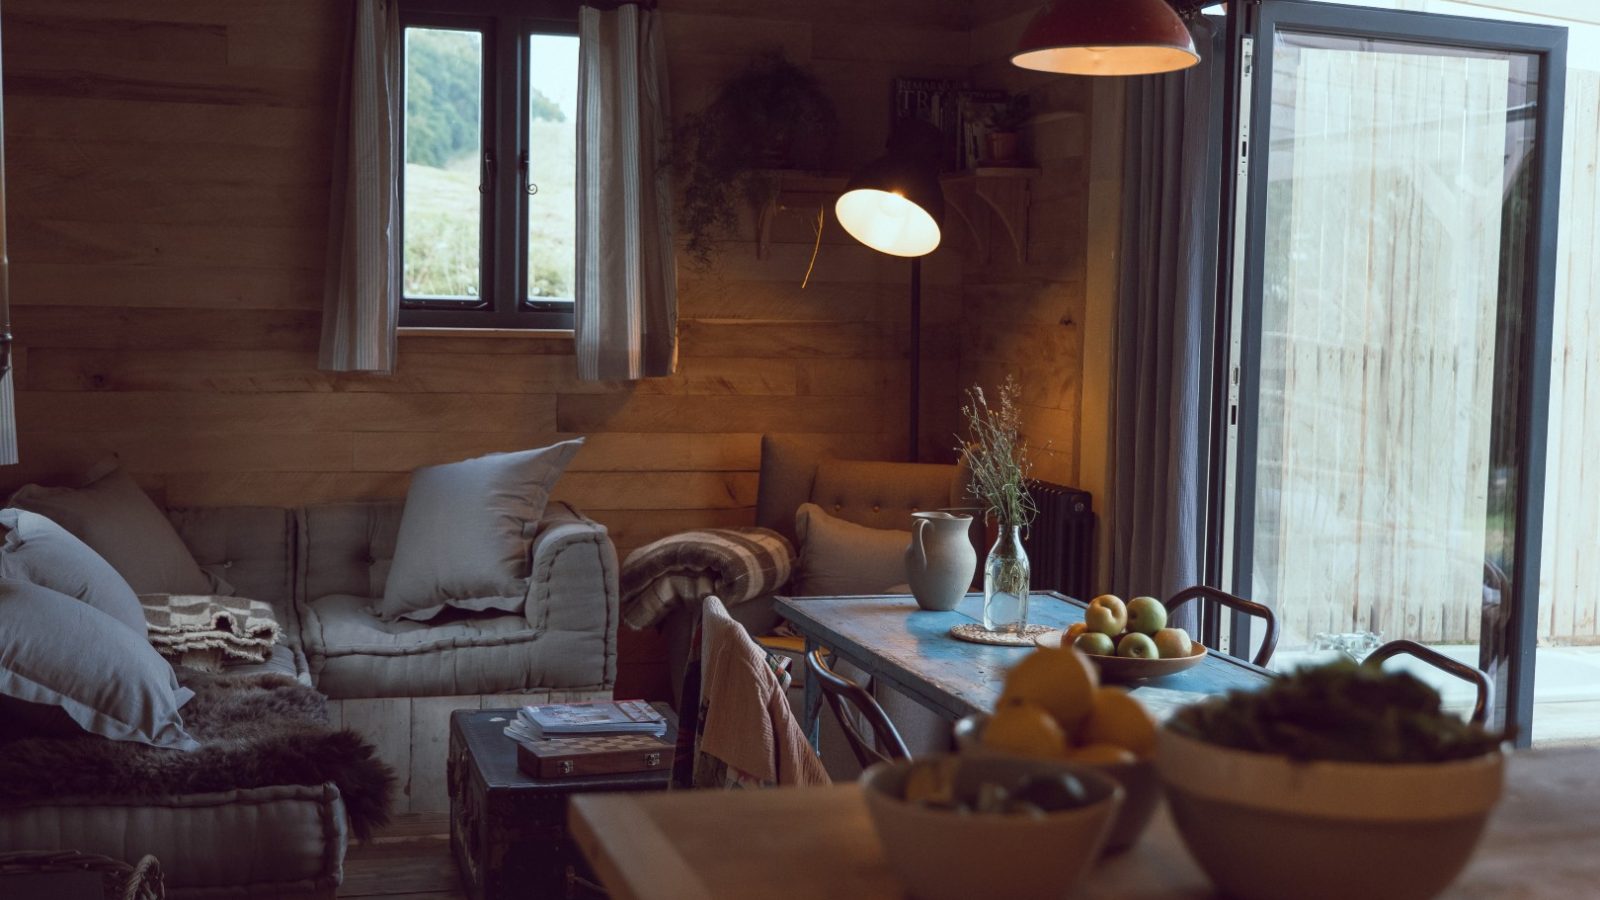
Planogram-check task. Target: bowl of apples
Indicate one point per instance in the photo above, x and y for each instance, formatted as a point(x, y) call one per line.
point(1129, 641)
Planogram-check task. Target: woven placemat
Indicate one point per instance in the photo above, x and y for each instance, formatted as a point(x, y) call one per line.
point(974, 632)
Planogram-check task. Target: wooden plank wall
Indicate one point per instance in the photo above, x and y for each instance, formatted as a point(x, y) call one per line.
point(168, 163)
point(1025, 317)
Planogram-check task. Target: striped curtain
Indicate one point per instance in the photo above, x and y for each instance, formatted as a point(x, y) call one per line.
point(626, 315)
point(361, 298)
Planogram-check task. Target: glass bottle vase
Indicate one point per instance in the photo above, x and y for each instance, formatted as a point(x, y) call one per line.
point(1005, 583)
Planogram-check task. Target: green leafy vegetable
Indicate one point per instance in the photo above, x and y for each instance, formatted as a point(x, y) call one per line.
point(1339, 712)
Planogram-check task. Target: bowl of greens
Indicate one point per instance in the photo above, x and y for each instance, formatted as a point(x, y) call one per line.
point(1333, 782)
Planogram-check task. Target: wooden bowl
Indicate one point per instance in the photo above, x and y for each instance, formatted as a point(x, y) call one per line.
point(1123, 669)
point(1264, 826)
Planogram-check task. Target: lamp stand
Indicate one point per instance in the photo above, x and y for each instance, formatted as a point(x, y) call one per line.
point(913, 432)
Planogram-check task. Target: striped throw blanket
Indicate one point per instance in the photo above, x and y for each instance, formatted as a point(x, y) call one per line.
point(202, 631)
point(735, 564)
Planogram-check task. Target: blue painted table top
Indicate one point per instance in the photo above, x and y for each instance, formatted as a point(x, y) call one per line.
point(912, 649)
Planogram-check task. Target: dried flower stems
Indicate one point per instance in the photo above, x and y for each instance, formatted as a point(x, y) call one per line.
point(997, 456)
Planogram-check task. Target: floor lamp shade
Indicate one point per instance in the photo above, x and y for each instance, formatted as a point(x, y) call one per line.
point(895, 204)
point(1106, 37)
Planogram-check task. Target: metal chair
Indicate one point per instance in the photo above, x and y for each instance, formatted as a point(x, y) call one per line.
point(1480, 710)
point(1269, 642)
point(884, 744)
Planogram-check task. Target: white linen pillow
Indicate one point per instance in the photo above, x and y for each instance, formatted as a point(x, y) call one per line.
point(117, 519)
point(59, 652)
point(466, 532)
point(842, 558)
point(39, 551)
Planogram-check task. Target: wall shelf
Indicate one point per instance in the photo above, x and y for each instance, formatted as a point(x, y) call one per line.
point(1004, 190)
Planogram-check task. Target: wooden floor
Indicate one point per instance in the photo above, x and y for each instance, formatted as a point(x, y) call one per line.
point(409, 861)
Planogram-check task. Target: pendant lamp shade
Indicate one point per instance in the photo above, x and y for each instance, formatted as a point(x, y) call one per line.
point(1106, 37)
point(895, 204)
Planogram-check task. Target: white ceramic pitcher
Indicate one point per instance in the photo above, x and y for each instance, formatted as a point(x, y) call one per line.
point(940, 561)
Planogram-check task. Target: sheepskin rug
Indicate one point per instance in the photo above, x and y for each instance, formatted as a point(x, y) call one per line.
point(254, 731)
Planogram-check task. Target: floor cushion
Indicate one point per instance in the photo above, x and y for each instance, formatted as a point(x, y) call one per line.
point(353, 653)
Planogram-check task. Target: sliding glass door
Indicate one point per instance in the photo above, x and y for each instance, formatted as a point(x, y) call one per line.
point(1387, 332)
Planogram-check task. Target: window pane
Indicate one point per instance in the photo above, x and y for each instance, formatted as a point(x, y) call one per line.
point(444, 146)
point(552, 164)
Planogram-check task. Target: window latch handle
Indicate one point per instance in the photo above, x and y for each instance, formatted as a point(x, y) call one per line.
point(488, 172)
point(528, 185)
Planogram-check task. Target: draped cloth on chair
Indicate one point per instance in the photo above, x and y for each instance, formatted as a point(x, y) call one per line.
point(361, 298)
point(1168, 278)
point(626, 314)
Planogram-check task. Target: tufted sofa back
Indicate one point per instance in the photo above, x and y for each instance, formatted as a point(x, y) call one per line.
point(250, 547)
point(870, 493)
point(346, 548)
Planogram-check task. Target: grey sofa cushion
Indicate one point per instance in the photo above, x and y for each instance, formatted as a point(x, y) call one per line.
point(465, 533)
point(123, 690)
point(113, 515)
point(262, 842)
point(38, 550)
point(841, 558)
point(354, 653)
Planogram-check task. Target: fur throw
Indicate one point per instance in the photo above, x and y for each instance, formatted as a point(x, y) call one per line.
point(254, 731)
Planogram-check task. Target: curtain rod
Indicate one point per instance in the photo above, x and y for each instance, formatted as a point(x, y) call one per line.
point(609, 5)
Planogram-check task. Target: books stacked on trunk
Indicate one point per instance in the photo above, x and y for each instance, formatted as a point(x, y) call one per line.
point(534, 723)
point(598, 738)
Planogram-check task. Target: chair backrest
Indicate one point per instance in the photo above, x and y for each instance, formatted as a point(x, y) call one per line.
point(1475, 677)
point(1239, 604)
point(843, 697)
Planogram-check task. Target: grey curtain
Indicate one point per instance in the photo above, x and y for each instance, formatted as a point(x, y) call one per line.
point(361, 296)
point(1172, 152)
point(626, 308)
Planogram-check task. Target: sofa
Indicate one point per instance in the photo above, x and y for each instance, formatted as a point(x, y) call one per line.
point(393, 682)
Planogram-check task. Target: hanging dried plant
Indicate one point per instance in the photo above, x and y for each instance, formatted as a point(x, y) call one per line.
point(997, 456)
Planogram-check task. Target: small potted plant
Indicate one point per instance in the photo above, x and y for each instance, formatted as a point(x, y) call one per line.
point(1004, 123)
point(998, 460)
point(772, 115)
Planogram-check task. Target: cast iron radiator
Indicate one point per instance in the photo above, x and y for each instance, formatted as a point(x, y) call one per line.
point(1060, 544)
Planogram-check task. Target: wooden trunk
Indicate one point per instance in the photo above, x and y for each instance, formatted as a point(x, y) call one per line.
point(508, 830)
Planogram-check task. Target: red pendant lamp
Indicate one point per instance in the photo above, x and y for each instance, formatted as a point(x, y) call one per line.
point(1106, 37)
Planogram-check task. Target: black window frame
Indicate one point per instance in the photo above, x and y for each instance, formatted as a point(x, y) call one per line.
point(503, 236)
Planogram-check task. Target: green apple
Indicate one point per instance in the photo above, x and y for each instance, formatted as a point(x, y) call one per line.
point(1095, 644)
point(1137, 646)
point(1146, 615)
point(1174, 643)
point(1107, 614)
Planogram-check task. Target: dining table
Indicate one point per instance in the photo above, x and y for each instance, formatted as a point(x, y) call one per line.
point(1541, 843)
point(911, 649)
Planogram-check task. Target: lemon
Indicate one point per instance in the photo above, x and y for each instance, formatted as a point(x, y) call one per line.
point(1101, 755)
point(1120, 720)
point(1061, 681)
point(1025, 729)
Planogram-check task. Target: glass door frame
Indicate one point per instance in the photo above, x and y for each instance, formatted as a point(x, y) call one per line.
point(1237, 341)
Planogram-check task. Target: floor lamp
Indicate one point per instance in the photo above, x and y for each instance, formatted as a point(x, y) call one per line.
point(895, 205)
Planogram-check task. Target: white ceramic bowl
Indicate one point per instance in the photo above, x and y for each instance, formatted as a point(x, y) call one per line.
point(946, 855)
point(1265, 827)
point(1141, 786)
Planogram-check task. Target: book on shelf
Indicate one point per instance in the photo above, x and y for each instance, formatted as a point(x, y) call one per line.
point(535, 723)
